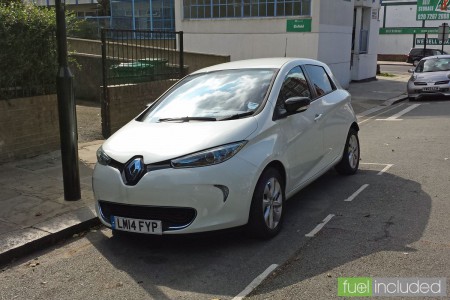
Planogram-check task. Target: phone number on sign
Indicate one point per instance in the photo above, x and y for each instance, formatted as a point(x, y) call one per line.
point(433, 16)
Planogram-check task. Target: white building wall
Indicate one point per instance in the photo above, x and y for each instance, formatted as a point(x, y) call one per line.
point(329, 41)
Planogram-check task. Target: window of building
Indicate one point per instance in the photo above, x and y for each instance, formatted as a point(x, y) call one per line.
point(209, 9)
point(320, 80)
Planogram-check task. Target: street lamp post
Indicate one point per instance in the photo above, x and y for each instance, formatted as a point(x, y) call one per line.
point(67, 113)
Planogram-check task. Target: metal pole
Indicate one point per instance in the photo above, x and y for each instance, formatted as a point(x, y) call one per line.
point(425, 42)
point(67, 113)
point(443, 35)
point(181, 59)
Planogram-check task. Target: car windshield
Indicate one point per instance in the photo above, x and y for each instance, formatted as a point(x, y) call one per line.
point(433, 65)
point(219, 95)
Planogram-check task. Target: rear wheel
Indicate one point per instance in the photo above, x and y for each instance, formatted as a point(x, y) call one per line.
point(350, 158)
point(266, 211)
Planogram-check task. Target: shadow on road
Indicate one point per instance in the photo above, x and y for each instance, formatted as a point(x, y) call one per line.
point(389, 216)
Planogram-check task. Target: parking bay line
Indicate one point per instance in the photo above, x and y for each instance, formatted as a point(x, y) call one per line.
point(387, 167)
point(399, 114)
point(355, 194)
point(320, 226)
point(384, 111)
point(257, 281)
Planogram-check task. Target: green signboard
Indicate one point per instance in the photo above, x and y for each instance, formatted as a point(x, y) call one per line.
point(300, 25)
point(433, 10)
point(408, 30)
point(432, 41)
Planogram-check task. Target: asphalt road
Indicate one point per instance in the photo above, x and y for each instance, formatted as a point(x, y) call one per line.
point(397, 226)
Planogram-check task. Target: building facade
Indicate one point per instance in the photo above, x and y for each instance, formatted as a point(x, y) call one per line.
point(341, 33)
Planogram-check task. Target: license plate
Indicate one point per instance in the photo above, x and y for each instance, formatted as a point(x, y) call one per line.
point(136, 225)
point(430, 89)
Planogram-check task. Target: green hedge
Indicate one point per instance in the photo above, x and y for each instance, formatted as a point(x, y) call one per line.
point(28, 56)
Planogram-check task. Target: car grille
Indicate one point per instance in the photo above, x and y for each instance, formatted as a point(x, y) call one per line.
point(420, 83)
point(172, 218)
point(442, 82)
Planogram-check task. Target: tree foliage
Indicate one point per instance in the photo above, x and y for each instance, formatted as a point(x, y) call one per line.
point(28, 56)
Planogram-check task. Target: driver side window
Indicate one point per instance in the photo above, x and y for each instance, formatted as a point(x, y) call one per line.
point(294, 85)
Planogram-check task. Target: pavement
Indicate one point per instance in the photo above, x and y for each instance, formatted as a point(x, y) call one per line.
point(34, 214)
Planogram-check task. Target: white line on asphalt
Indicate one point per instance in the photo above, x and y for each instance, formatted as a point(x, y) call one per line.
point(388, 166)
point(255, 282)
point(320, 226)
point(356, 193)
point(373, 164)
point(369, 118)
point(399, 114)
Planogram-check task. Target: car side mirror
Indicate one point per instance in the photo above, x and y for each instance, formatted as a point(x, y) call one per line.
point(297, 104)
point(411, 70)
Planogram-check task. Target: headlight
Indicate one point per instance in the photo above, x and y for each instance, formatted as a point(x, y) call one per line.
point(102, 157)
point(208, 157)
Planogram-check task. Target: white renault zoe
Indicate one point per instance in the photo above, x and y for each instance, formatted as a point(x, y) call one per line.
point(225, 147)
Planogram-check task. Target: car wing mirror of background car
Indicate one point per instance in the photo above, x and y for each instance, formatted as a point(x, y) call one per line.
point(297, 104)
point(411, 70)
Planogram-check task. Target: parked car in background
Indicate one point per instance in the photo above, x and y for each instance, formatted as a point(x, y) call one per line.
point(416, 54)
point(431, 77)
point(225, 147)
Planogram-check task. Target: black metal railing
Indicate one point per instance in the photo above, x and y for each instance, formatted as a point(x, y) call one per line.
point(135, 56)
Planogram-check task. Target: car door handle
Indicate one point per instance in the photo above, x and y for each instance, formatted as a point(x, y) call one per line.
point(317, 117)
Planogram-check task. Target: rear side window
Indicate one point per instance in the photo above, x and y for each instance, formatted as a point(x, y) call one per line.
point(320, 80)
point(416, 51)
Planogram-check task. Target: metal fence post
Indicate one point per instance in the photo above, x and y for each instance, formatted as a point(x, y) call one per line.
point(106, 128)
point(181, 54)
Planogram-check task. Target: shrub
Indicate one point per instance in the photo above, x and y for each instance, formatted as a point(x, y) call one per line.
point(28, 57)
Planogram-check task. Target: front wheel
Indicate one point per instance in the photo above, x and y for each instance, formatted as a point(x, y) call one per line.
point(266, 211)
point(350, 158)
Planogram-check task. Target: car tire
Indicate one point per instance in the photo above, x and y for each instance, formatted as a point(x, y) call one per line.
point(266, 211)
point(350, 158)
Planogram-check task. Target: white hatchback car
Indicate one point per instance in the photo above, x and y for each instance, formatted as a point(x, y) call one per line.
point(225, 147)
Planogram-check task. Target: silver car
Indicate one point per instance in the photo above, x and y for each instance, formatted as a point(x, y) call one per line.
point(431, 77)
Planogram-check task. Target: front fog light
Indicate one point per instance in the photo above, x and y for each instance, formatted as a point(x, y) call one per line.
point(102, 157)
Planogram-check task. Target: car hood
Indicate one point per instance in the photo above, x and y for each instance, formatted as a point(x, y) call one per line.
point(158, 142)
point(432, 76)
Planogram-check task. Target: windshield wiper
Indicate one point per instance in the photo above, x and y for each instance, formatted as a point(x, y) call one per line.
point(187, 119)
point(237, 116)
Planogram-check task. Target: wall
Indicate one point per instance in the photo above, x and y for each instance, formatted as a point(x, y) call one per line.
point(88, 76)
point(28, 127)
point(126, 102)
point(335, 39)
point(329, 41)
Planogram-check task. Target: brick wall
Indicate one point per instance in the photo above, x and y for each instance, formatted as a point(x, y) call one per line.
point(28, 127)
point(392, 57)
point(127, 101)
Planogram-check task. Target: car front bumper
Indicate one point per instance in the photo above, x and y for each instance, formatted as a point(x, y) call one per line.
point(214, 197)
point(417, 92)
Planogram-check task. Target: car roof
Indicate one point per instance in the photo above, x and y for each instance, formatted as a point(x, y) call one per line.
point(436, 56)
point(258, 63)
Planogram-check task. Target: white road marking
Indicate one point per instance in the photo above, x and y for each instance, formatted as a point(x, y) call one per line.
point(401, 113)
point(257, 281)
point(356, 193)
point(388, 166)
point(394, 107)
point(320, 226)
